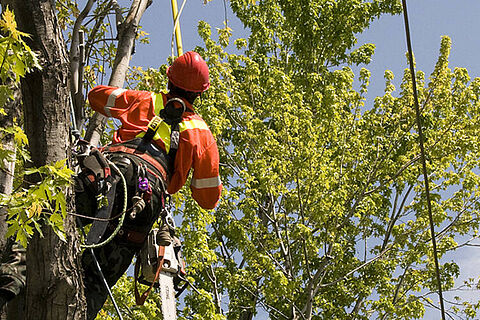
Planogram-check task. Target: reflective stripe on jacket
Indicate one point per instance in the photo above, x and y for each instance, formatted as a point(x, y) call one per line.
point(197, 147)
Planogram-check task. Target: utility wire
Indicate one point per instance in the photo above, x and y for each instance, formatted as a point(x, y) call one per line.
point(421, 140)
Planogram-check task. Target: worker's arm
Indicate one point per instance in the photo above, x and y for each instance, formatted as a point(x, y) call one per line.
point(113, 101)
point(206, 185)
point(203, 158)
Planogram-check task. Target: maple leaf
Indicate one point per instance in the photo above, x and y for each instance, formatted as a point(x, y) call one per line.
point(9, 25)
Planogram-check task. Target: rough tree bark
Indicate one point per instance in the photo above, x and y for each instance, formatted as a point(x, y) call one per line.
point(127, 32)
point(54, 279)
point(6, 177)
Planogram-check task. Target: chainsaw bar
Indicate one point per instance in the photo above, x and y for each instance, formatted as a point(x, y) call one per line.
point(167, 296)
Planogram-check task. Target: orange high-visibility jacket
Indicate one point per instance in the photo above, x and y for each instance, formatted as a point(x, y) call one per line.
point(197, 147)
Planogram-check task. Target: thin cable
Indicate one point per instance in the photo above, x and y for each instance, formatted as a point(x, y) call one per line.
point(421, 139)
point(104, 281)
point(84, 216)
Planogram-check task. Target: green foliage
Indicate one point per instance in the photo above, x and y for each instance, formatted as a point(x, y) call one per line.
point(150, 80)
point(324, 210)
point(16, 56)
point(17, 60)
point(124, 295)
point(42, 202)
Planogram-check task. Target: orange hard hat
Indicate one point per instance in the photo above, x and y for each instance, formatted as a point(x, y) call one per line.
point(189, 72)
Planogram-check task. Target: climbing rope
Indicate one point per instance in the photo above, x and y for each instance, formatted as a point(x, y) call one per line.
point(421, 140)
point(104, 281)
point(122, 216)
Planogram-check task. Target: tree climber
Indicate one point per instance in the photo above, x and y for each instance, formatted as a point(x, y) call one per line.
point(148, 155)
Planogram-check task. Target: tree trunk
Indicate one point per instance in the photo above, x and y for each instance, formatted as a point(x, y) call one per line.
point(54, 278)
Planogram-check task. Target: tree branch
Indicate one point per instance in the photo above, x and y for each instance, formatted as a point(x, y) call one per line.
point(127, 34)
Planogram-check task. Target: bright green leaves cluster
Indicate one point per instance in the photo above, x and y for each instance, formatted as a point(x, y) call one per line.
point(16, 57)
point(42, 201)
point(16, 60)
point(314, 34)
point(324, 211)
point(154, 80)
point(124, 292)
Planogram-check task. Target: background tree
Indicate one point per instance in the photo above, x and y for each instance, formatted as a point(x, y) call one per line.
point(325, 216)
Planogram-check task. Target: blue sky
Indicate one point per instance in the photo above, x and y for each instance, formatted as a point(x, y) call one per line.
point(429, 21)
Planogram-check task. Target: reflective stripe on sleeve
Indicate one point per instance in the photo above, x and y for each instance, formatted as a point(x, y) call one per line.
point(206, 183)
point(111, 100)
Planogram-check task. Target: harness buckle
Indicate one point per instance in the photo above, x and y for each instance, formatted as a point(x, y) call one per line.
point(169, 220)
point(154, 123)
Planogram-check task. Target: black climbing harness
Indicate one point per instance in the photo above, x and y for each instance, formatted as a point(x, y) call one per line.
point(171, 115)
point(96, 178)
